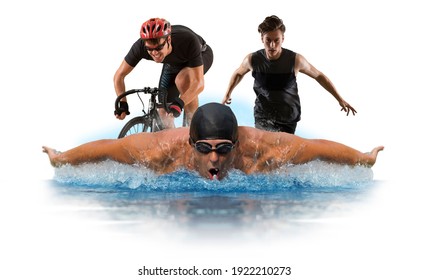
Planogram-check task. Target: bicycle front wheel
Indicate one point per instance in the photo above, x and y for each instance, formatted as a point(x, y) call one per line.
point(135, 125)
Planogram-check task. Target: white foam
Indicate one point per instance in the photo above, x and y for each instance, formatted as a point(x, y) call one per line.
point(313, 174)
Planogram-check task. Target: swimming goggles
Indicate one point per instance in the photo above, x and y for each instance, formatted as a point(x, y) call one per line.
point(221, 148)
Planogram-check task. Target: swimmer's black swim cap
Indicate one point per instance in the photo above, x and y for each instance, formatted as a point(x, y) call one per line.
point(214, 121)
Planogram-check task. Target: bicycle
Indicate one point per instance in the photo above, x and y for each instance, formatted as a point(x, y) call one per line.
point(150, 121)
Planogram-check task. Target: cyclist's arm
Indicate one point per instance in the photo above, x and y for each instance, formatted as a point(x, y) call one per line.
point(119, 85)
point(119, 78)
point(236, 78)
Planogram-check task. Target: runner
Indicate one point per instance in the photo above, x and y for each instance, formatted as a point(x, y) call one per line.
point(277, 105)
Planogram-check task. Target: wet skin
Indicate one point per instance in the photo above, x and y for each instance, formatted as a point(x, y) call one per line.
point(255, 151)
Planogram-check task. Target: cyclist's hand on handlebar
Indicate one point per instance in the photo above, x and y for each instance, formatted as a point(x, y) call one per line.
point(122, 111)
point(121, 116)
point(176, 107)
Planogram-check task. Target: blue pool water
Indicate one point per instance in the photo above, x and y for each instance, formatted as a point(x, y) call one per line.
point(112, 175)
point(284, 199)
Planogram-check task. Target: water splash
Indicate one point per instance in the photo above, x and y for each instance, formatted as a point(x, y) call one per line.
point(316, 174)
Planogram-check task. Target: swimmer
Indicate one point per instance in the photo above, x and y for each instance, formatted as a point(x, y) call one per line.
point(211, 146)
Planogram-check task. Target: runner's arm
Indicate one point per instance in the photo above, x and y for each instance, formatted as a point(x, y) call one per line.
point(303, 66)
point(236, 78)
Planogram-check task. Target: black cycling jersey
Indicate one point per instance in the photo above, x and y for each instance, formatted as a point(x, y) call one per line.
point(188, 50)
point(276, 88)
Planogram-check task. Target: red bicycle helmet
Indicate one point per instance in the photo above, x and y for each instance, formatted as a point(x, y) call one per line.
point(155, 28)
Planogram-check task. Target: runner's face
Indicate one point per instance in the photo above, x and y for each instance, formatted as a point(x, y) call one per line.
point(213, 164)
point(273, 41)
point(158, 51)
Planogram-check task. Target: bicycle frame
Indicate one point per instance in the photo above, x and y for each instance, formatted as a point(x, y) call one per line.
point(148, 122)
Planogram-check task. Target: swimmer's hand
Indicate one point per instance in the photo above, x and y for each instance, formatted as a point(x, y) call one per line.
point(53, 155)
point(372, 156)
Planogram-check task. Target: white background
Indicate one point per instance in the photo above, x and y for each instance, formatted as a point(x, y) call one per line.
point(57, 64)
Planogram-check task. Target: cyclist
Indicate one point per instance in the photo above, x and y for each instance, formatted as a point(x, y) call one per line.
point(277, 106)
point(186, 57)
point(213, 145)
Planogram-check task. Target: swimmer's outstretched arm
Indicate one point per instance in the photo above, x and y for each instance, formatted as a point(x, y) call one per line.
point(90, 152)
point(333, 152)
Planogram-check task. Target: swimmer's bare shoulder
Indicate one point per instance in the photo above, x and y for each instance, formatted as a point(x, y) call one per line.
point(259, 146)
point(162, 151)
point(165, 139)
point(264, 139)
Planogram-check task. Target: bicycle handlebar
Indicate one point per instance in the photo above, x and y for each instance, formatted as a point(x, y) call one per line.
point(147, 90)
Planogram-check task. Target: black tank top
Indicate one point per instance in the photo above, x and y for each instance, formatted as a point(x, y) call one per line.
point(276, 87)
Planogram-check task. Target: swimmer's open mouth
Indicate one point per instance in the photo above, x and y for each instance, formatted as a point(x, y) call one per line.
point(214, 171)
